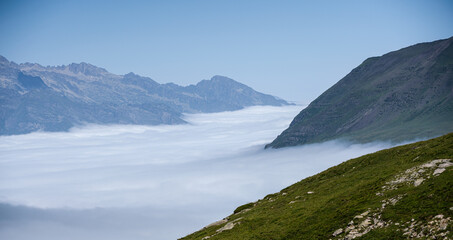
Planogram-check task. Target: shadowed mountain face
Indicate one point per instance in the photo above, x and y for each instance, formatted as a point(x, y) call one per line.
point(399, 96)
point(33, 97)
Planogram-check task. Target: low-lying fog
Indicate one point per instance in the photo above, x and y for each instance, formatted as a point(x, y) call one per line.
point(151, 182)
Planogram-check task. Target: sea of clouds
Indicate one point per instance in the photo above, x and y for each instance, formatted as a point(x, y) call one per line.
point(151, 182)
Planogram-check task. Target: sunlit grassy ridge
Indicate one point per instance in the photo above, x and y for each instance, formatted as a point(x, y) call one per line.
point(390, 194)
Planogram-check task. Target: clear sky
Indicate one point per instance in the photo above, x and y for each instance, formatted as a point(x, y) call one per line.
point(291, 49)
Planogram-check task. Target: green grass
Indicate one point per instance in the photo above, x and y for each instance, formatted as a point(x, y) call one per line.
point(345, 191)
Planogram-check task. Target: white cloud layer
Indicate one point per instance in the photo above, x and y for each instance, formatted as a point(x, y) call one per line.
point(151, 182)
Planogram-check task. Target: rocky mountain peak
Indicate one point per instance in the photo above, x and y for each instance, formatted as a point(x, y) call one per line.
point(131, 74)
point(3, 60)
point(60, 97)
point(86, 69)
point(220, 78)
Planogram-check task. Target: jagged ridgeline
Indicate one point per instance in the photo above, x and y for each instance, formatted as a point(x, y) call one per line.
point(402, 95)
point(398, 193)
point(33, 97)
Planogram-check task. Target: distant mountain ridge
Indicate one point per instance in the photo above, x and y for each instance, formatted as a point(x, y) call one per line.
point(34, 97)
point(402, 95)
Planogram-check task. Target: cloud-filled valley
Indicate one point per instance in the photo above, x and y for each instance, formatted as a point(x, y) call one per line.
point(151, 182)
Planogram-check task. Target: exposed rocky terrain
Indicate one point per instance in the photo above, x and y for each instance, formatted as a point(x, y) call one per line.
point(34, 97)
point(432, 228)
point(404, 192)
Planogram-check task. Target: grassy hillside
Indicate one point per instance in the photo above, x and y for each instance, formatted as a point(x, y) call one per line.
point(402, 95)
point(397, 193)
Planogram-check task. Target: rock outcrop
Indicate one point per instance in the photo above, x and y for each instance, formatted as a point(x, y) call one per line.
point(33, 98)
point(404, 192)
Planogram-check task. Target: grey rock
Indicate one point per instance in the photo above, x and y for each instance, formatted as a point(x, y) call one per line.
point(34, 98)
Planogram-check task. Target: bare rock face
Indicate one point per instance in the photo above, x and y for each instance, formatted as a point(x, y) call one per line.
point(385, 98)
point(220, 222)
point(338, 231)
point(435, 228)
point(34, 97)
point(416, 175)
point(228, 226)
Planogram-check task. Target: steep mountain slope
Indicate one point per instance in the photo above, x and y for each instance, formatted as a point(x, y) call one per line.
point(397, 193)
point(399, 96)
point(33, 97)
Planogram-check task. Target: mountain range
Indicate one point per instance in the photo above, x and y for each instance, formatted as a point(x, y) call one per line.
point(402, 95)
point(399, 193)
point(34, 97)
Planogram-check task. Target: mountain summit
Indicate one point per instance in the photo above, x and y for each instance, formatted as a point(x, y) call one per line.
point(402, 95)
point(33, 97)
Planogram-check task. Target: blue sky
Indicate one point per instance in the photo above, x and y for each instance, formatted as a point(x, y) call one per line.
point(291, 49)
